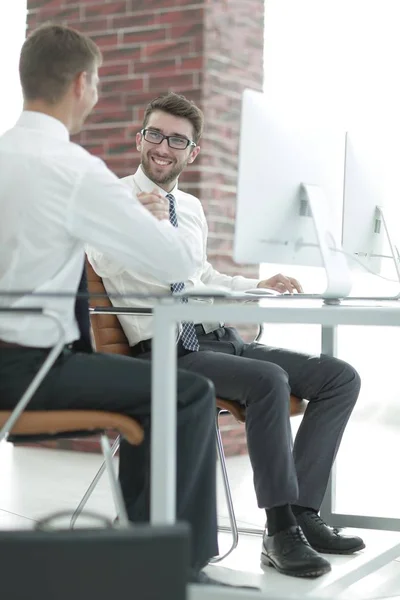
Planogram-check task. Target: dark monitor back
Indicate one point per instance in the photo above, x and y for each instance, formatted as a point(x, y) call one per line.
point(142, 562)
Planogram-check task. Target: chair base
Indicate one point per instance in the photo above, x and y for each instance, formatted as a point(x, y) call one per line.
point(228, 495)
point(92, 486)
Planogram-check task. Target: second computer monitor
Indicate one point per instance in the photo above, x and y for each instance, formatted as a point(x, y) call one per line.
point(278, 154)
point(371, 181)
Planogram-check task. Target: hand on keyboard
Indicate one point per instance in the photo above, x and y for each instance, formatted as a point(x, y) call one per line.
point(262, 292)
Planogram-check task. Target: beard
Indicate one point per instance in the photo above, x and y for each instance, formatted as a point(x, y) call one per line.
point(170, 176)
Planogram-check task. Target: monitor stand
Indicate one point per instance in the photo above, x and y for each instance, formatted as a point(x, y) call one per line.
point(338, 274)
point(394, 251)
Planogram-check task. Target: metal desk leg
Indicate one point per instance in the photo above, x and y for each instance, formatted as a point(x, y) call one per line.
point(329, 347)
point(364, 565)
point(163, 420)
point(328, 512)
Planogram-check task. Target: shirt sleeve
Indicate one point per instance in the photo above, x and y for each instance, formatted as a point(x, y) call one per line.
point(105, 215)
point(211, 276)
point(103, 265)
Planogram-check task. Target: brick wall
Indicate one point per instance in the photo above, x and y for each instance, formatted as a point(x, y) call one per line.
point(233, 53)
point(209, 50)
point(149, 46)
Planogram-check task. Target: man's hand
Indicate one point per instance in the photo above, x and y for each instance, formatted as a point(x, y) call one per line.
point(281, 283)
point(155, 203)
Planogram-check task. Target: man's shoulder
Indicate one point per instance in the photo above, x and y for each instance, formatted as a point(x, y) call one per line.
point(71, 157)
point(59, 155)
point(81, 160)
point(129, 180)
point(79, 152)
point(190, 200)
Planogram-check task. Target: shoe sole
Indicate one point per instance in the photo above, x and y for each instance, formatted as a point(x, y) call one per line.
point(312, 573)
point(349, 551)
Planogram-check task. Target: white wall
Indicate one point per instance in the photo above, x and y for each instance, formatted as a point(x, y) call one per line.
point(340, 59)
point(337, 60)
point(12, 35)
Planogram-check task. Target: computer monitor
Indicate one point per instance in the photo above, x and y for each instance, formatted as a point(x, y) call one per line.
point(143, 562)
point(371, 185)
point(290, 192)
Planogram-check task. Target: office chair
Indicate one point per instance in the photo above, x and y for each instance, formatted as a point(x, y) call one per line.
point(110, 337)
point(21, 425)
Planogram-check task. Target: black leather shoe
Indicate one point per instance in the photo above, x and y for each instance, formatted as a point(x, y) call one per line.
point(290, 553)
point(325, 539)
point(202, 578)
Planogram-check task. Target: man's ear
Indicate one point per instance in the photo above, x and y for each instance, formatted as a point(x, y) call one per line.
point(80, 83)
point(139, 141)
point(193, 154)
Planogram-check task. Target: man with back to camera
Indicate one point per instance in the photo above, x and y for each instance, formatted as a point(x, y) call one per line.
point(290, 485)
point(54, 197)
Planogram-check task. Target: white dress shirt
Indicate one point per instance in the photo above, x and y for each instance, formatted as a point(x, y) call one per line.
point(54, 198)
point(117, 278)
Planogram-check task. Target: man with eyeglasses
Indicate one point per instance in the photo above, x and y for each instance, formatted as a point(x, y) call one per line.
point(289, 482)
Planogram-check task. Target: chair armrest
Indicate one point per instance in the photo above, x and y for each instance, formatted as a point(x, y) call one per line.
point(20, 309)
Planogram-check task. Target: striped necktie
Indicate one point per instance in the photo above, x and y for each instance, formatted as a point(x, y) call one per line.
point(188, 333)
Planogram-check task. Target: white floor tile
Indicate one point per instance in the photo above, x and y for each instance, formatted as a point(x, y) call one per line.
point(36, 482)
point(243, 567)
point(39, 481)
point(12, 521)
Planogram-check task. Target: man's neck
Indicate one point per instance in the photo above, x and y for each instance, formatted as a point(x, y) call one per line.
point(167, 187)
point(57, 111)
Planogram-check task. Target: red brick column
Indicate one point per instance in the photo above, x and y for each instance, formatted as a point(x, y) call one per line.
point(209, 50)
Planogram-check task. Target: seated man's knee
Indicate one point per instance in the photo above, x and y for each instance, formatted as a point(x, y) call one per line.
point(352, 378)
point(346, 375)
point(270, 381)
point(196, 389)
point(206, 389)
point(341, 381)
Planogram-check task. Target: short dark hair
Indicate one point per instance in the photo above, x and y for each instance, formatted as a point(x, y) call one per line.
point(178, 106)
point(51, 57)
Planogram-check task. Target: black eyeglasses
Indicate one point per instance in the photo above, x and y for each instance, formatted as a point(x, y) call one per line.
point(174, 141)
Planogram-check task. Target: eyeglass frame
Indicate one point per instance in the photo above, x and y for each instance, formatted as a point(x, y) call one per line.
point(167, 137)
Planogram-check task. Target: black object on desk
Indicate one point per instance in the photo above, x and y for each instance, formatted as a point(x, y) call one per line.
point(143, 562)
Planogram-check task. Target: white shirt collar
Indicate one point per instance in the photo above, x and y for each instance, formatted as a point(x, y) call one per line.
point(44, 123)
point(147, 185)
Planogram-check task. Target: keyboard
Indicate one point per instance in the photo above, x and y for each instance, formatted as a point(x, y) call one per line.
point(303, 296)
point(271, 293)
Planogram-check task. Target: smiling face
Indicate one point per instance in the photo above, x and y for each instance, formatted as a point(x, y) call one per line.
point(160, 163)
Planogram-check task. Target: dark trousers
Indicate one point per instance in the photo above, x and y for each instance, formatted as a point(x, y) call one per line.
point(262, 378)
point(122, 384)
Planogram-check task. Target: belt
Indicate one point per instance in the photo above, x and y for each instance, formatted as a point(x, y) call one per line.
point(145, 345)
point(4, 344)
point(10, 345)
